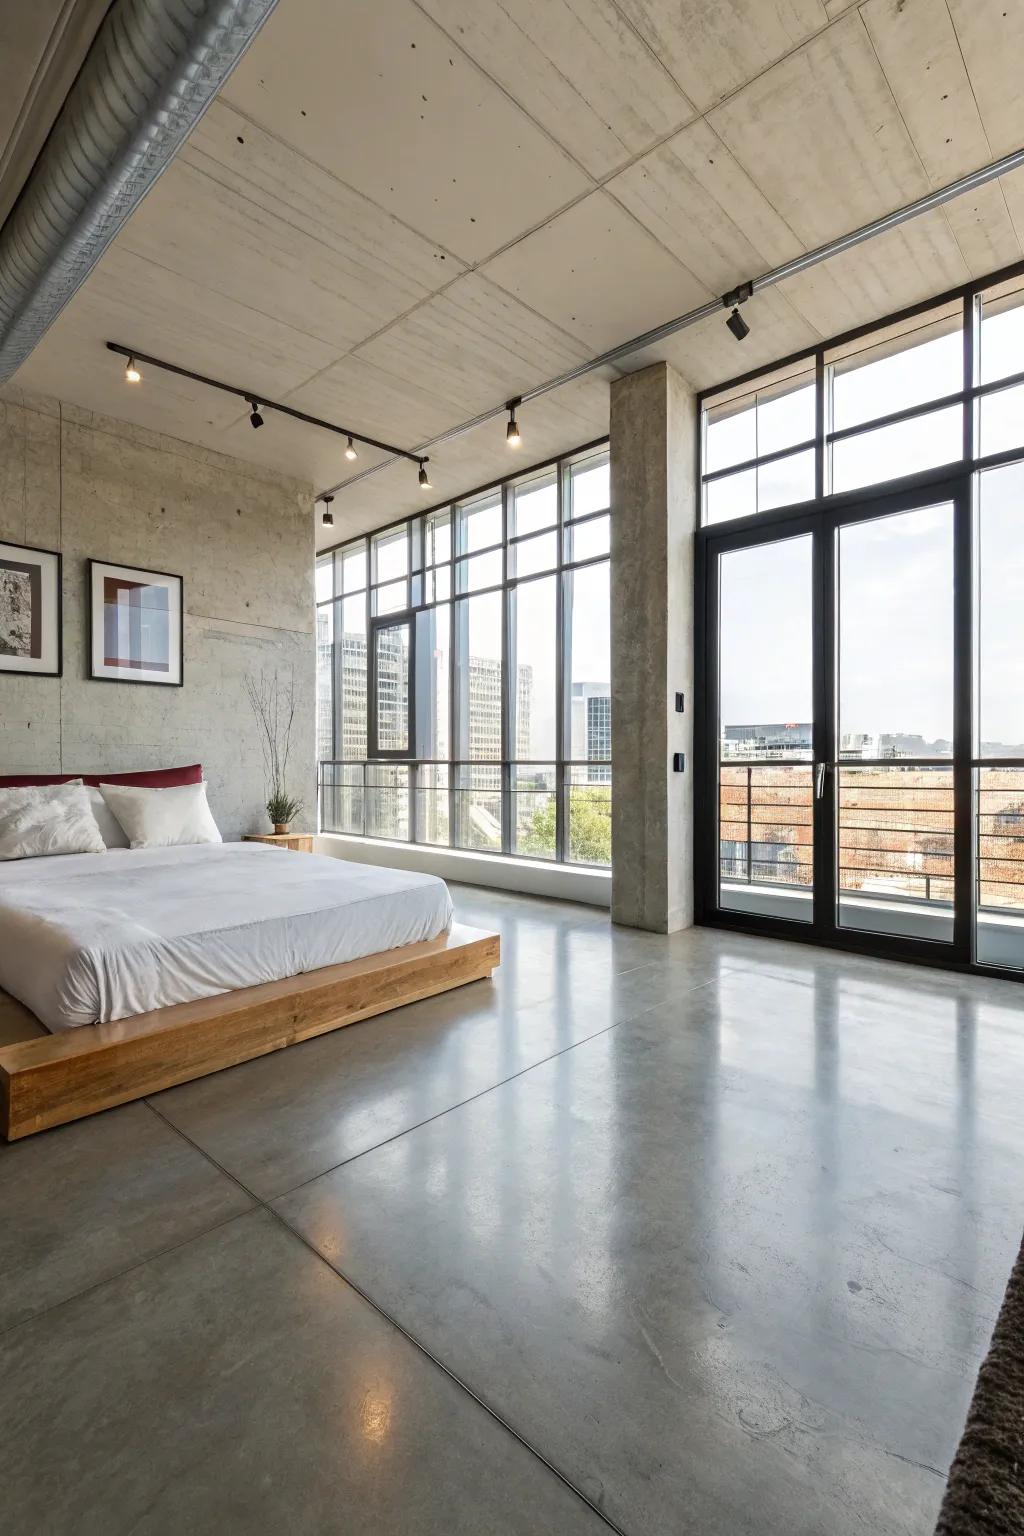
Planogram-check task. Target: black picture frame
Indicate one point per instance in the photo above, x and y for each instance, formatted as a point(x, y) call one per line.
point(7, 669)
point(103, 672)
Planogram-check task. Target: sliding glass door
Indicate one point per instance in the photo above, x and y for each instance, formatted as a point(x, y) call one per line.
point(837, 717)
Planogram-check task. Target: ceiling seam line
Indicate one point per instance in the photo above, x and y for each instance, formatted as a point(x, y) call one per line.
point(934, 198)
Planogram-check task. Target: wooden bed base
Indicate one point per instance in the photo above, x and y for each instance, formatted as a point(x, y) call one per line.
point(46, 1080)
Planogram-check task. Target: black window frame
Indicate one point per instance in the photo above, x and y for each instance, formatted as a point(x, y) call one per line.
point(958, 480)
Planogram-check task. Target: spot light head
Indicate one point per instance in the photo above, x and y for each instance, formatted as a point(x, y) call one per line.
point(513, 437)
point(131, 372)
point(423, 477)
point(328, 515)
point(350, 451)
point(255, 419)
point(738, 326)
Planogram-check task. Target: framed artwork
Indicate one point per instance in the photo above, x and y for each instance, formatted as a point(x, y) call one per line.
point(30, 610)
point(135, 625)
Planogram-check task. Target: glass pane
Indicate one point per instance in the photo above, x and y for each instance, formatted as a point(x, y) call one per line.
point(1001, 420)
point(391, 672)
point(433, 680)
point(732, 496)
point(765, 714)
point(480, 523)
point(785, 416)
point(534, 798)
point(480, 571)
point(437, 538)
point(589, 488)
point(325, 681)
point(438, 584)
point(999, 663)
point(895, 850)
point(535, 505)
point(353, 567)
point(432, 803)
point(341, 798)
point(534, 636)
point(391, 599)
point(352, 665)
point(867, 385)
point(730, 434)
point(589, 814)
point(1000, 795)
point(537, 554)
point(895, 613)
point(324, 578)
point(478, 807)
point(778, 416)
point(900, 449)
point(784, 481)
point(387, 801)
point(588, 540)
point(478, 676)
point(1001, 345)
point(588, 665)
point(390, 555)
point(766, 839)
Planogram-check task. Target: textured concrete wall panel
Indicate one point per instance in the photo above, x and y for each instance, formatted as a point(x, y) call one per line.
point(242, 538)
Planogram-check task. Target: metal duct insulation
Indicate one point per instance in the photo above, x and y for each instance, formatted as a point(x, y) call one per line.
point(153, 69)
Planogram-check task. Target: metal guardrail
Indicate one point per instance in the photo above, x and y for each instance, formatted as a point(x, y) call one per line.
point(473, 805)
point(865, 867)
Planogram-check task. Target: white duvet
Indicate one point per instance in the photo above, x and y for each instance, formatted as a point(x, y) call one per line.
point(90, 937)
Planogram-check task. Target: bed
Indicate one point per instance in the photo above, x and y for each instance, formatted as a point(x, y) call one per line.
point(148, 967)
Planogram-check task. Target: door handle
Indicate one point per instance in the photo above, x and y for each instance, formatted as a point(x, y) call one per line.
point(819, 780)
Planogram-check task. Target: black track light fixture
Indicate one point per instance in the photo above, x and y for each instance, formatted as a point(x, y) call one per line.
point(738, 326)
point(350, 451)
point(513, 436)
point(255, 419)
point(131, 372)
point(736, 323)
point(423, 477)
point(328, 515)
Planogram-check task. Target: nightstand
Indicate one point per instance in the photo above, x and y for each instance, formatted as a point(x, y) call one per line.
point(298, 842)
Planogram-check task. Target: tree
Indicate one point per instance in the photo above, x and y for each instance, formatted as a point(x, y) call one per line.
point(590, 826)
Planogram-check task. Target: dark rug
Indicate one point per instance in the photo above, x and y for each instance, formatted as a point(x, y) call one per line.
point(985, 1494)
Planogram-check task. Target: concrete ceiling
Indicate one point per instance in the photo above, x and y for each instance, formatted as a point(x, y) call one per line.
point(400, 215)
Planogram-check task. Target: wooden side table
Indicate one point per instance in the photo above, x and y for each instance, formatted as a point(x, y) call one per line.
point(298, 842)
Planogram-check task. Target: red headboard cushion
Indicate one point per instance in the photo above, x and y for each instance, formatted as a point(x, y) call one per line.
point(153, 778)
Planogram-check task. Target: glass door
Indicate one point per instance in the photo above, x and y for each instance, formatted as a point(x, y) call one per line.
point(837, 725)
point(892, 770)
point(764, 597)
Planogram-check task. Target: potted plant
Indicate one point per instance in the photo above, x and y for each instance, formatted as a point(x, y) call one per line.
point(274, 709)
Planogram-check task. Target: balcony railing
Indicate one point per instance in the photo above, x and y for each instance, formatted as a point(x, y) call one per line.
point(527, 810)
point(895, 830)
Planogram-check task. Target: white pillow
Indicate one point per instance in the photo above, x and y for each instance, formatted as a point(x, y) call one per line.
point(41, 819)
point(111, 830)
point(162, 818)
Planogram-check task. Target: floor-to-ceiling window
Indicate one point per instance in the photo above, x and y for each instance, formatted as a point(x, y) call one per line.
point(861, 591)
point(464, 677)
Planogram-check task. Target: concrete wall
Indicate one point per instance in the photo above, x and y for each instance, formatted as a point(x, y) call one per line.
point(242, 538)
point(653, 490)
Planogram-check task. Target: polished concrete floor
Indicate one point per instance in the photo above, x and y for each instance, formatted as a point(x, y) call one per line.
point(703, 1234)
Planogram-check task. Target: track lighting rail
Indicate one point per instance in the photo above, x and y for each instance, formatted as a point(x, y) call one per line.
point(258, 403)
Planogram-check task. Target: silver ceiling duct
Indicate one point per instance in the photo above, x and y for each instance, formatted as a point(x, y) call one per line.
point(152, 70)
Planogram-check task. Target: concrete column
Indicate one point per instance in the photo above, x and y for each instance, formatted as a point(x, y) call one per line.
point(654, 502)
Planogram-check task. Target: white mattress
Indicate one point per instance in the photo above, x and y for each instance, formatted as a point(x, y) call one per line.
point(89, 937)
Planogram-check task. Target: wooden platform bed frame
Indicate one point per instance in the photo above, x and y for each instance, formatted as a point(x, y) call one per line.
point(47, 1080)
